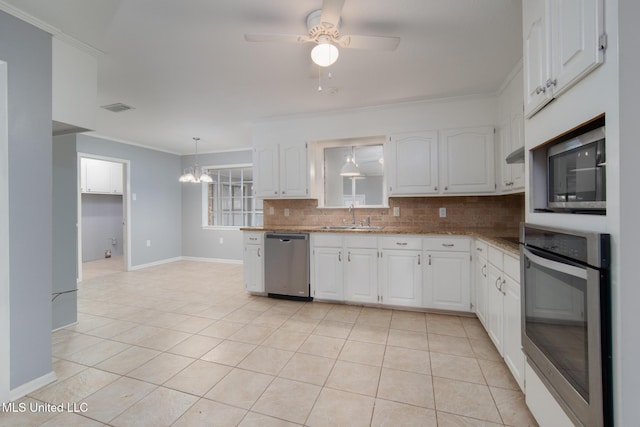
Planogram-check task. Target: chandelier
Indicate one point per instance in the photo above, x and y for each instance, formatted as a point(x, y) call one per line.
point(196, 173)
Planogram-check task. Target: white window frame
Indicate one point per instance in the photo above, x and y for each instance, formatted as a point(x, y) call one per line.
point(205, 197)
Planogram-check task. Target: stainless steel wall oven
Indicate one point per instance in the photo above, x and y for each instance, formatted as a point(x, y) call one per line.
point(566, 320)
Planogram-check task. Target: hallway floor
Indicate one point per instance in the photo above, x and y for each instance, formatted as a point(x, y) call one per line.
point(183, 344)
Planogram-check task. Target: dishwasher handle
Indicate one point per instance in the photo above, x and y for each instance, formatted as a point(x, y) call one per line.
point(287, 237)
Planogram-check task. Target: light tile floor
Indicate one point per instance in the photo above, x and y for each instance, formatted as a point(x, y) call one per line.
point(183, 344)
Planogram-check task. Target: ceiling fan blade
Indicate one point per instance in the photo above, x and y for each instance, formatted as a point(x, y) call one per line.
point(369, 42)
point(276, 38)
point(331, 11)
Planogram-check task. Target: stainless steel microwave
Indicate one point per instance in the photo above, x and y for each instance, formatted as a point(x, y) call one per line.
point(577, 174)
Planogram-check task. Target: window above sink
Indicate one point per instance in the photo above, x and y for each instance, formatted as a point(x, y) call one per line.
point(350, 172)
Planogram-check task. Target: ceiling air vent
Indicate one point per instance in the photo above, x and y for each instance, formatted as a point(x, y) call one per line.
point(117, 107)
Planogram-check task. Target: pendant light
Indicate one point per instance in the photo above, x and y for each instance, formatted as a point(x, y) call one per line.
point(350, 167)
point(195, 174)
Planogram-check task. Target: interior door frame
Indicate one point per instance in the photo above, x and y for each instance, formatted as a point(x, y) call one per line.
point(126, 208)
point(5, 318)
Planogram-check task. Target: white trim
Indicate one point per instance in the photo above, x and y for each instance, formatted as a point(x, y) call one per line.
point(32, 386)
point(54, 31)
point(126, 208)
point(155, 263)
point(127, 142)
point(65, 326)
point(5, 330)
point(229, 166)
point(220, 260)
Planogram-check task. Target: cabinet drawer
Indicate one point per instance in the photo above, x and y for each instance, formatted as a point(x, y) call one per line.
point(481, 248)
point(253, 238)
point(494, 256)
point(327, 240)
point(401, 242)
point(512, 267)
point(363, 242)
point(450, 244)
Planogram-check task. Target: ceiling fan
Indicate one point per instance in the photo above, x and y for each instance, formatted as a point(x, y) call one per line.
point(324, 29)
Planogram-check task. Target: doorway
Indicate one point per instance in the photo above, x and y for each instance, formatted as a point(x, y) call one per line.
point(103, 212)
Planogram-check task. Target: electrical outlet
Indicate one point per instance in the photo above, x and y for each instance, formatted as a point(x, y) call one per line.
point(396, 211)
point(443, 212)
point(286, 211)
point(222, 240)
point(271, 210)
point(148, 243)
point(134, 196)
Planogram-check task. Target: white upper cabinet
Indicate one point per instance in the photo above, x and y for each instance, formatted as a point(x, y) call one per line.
point(412, 163)
point(100, 176)
point(467, 161)
point(281, 170)
point(510, 134)
point(563, 42)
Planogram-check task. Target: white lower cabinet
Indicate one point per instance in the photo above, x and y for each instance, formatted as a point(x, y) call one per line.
point(481, 281)
point(402, 277)
point(327, 267)
point(447, 273)
point(253, 261)
point(361, 275)
point(502, 307)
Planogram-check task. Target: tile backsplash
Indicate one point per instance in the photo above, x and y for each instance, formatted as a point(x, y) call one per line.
point(415, 212)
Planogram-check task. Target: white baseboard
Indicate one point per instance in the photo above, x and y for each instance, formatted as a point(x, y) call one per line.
point(221, 260)
point(32, 386)
point(155, 263)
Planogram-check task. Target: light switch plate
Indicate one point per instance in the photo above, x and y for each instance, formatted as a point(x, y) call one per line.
point(286, 211)
point(396, 211)
point(271, 211)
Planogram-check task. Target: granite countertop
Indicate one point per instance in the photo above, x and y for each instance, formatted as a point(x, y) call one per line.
point(503, 238)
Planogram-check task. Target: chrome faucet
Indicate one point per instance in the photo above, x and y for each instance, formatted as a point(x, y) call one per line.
point(352, 211)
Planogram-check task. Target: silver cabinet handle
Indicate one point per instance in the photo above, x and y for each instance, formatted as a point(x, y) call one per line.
point(258, 252)
point(418, 259)
point(484, 270)
point(496, 284)
point(540, 89)
point(349, 256)
point(429, 259)
point(284, 192)
point(551, 82)
point(390, 189)
point(275, 192)
point(479, 249)
point(253, 238)
point(448, 245)
point(339, 256)
point(435, 188)
point(401, 243)
point(446, 188)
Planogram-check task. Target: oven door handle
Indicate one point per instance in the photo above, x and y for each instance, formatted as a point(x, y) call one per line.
point(557, 266)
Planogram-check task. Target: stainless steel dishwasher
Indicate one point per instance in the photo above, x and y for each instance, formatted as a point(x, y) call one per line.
point(286, 265)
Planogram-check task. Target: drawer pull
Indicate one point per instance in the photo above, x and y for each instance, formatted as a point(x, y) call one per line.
point(258, 252)
point(479, 249)
point(401, 243)
point(448, 245)
point(253, 238)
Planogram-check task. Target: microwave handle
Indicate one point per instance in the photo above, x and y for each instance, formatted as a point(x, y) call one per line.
point(557, 266)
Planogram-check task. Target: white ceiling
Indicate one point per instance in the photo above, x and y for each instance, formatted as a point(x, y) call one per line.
point(187, 70)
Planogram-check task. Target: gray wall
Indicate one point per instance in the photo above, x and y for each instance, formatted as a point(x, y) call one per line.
point(65, 258)
point(27, 52)
point(101, 222)
point(205, 243)
point(156, 212)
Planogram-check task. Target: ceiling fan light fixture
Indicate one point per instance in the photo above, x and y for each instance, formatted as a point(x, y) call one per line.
point(324, 53)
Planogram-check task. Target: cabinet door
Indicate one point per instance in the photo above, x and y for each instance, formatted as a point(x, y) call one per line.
point(253, 268)
point(495, 305)
point(481, 282)
point(467, 162)
point(293, 170)
point(513, 355)
point(328, 270)
point(517, 141)
point(402, 278)
point(504, 136)
point(83, 175)
point(115, 177)
point(447, 281)
point(265, 168)
point(413, 163)
point(536, 51)
point(361, 275)
point(576, 26)
point(98, 176)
